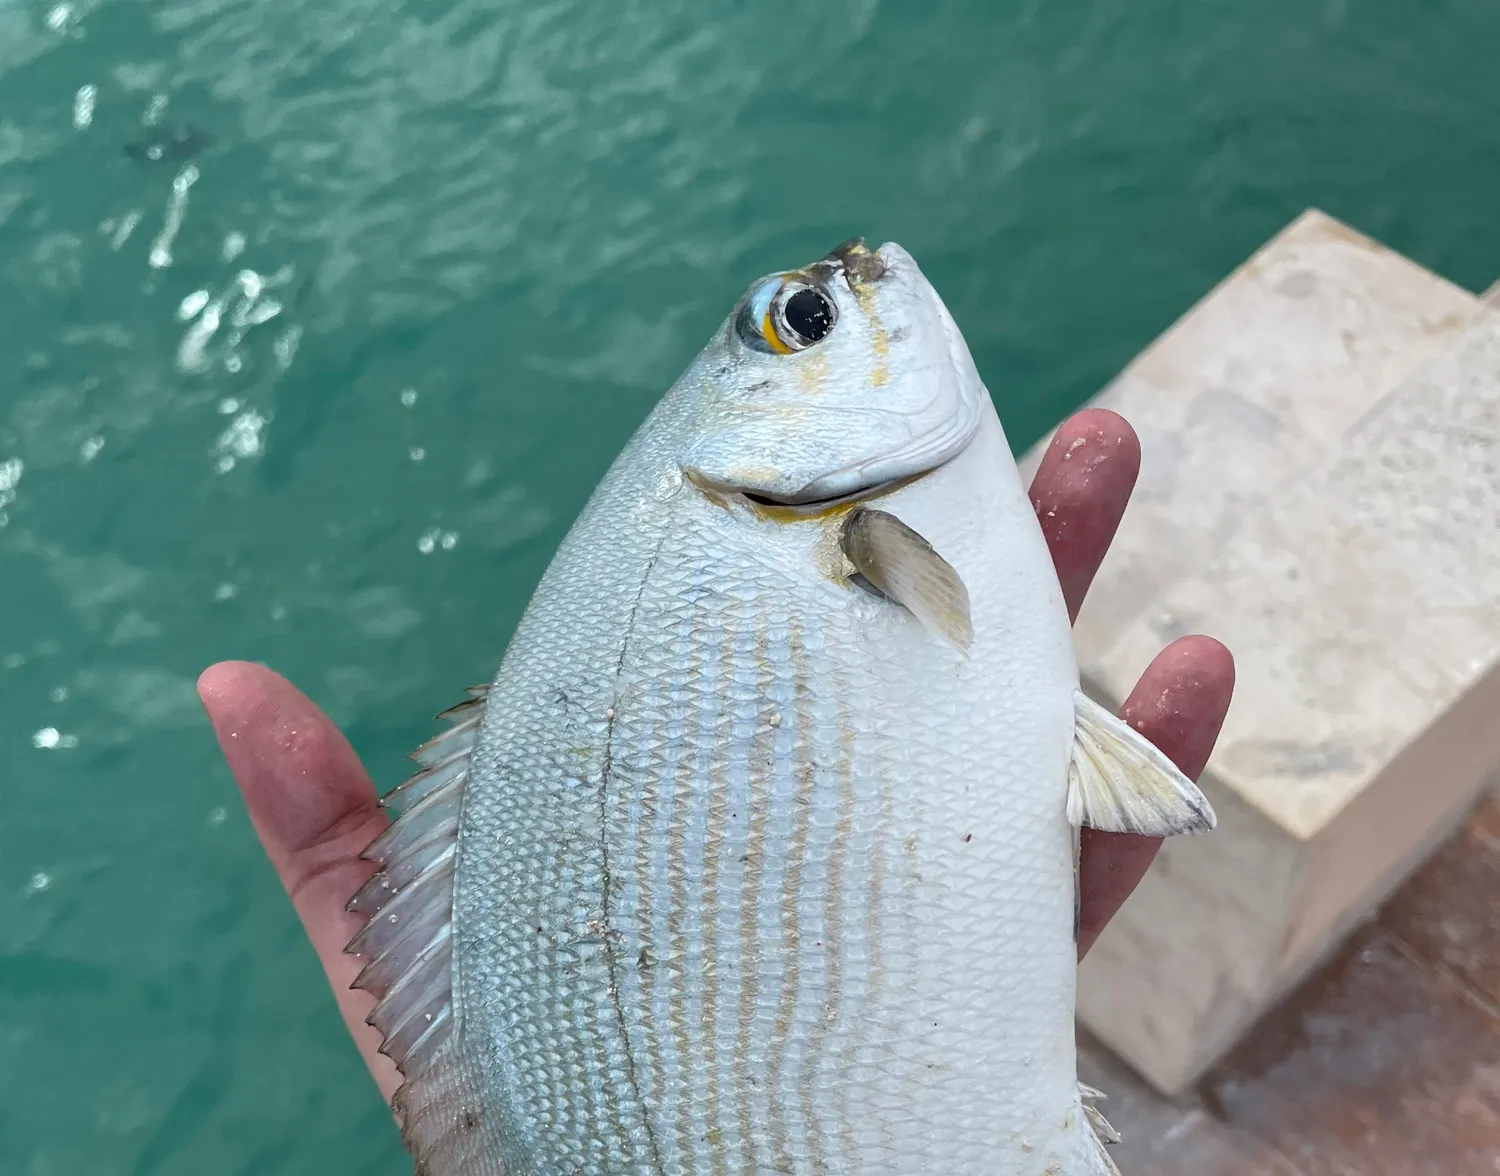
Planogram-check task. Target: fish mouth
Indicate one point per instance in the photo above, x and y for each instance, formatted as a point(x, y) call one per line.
point(784, 506)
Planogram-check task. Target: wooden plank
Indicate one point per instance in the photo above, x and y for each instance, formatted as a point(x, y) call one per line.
point(1380, 1066)
point(1449, 913)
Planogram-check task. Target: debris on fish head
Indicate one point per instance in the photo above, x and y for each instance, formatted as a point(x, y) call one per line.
point(831, 381)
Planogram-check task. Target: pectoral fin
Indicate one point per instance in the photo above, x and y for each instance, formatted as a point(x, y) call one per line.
point(1121, 783)
point(903, 567)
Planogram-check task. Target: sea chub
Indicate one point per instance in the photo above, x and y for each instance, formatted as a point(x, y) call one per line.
point(758, 855)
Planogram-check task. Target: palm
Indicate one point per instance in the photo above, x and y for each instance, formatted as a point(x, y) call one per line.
point(315, 807)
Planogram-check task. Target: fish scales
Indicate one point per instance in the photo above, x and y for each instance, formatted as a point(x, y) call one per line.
point(760, 869)
point(720, 1037)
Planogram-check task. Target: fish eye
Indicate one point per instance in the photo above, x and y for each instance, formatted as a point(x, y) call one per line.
point(809, 314)
point(782, 316)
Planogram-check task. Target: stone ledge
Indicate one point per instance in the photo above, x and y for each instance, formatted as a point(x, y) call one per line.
point(1335, 524)
point(1251, 387)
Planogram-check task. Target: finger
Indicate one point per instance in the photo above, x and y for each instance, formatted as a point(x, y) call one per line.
point(315, 810)
point(1080, 491)
point(1179, 704)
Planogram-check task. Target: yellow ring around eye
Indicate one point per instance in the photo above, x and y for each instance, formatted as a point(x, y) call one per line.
point(768, 333)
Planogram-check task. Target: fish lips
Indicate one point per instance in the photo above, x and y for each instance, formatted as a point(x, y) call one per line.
point(708, 466)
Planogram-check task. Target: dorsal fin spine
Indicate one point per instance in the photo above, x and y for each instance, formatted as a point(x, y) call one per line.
point(407, 945)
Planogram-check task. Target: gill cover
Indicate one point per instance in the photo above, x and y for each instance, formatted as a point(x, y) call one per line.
point(844, 375)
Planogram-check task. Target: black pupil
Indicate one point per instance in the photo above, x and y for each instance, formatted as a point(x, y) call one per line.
point(809, 314)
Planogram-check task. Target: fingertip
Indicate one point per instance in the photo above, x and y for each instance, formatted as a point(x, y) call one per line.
point(1210, 660)
point(1182, 699)
point(300, 778)
point(1084, 441)
point(1080, 493)
point(1106, 428)
point(238, 690)
point(218, 679)
point(1205, 660)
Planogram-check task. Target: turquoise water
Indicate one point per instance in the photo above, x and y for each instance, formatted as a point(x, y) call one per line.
point(328, 392)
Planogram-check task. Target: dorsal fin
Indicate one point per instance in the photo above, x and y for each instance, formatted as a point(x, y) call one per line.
point(1100, 1132)
point(406, 944)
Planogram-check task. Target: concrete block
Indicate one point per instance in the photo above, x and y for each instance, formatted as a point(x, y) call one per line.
point(1252, 386)
point(1320, 489)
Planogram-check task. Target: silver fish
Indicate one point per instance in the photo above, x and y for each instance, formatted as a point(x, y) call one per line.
point(759, 853)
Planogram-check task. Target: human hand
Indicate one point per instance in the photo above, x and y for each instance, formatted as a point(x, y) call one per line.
point(315, 808)
point(1080, 492)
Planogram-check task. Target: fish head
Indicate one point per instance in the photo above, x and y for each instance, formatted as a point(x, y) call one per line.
point(831, 381)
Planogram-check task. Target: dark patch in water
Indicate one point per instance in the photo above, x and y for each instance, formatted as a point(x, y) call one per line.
point(170, 145)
